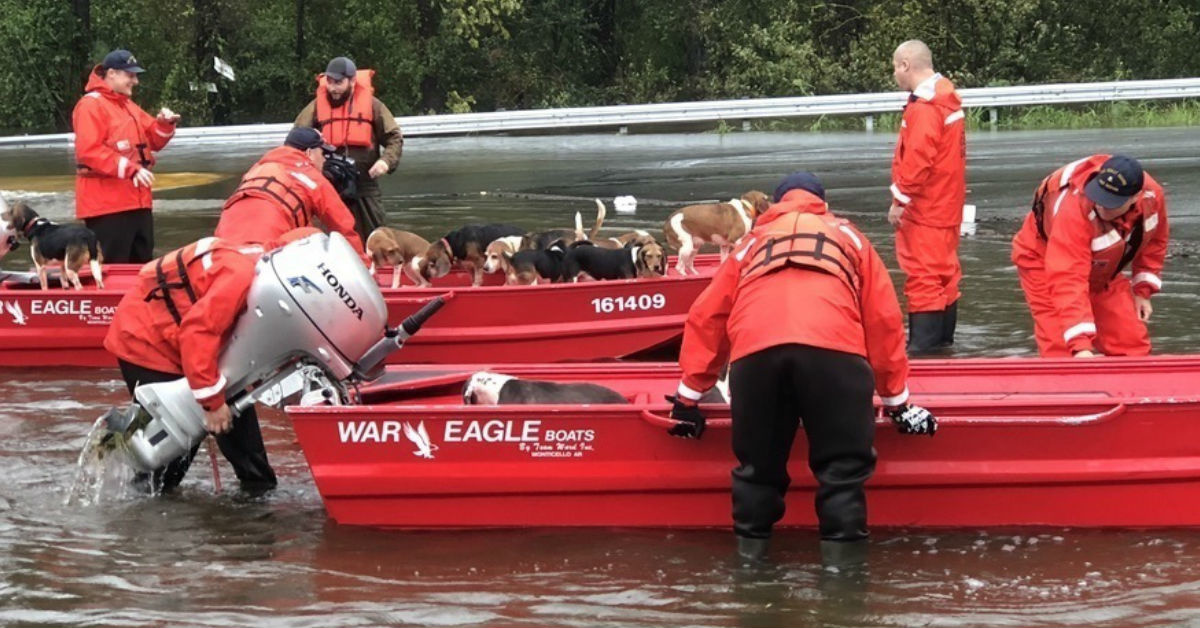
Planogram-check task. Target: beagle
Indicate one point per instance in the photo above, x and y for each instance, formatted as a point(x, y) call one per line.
point(637, 261)
point(722, 224)
point(73, 245)
point(464, 246)
point(625, 240)
point(564, 237)
point(489, 389)
point(403, 251)
point(495, 256)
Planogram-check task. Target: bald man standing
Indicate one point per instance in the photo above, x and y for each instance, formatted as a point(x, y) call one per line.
point(929, 185)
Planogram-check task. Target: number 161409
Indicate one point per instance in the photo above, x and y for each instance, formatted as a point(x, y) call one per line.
point(608, 305)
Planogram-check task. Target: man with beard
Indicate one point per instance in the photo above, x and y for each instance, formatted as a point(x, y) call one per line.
point(358, 125)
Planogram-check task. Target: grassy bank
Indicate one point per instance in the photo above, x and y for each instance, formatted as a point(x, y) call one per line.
point(1108, 115)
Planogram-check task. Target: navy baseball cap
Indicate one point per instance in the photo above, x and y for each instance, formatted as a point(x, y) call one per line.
point(303, 137)
point(799, 180)
point(1118, 180)
point(122, 60)
point(341, 68)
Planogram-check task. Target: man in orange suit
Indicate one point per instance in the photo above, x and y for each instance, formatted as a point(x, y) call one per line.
point(928, 190)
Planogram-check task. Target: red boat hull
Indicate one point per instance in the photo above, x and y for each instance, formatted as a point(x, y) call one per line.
point(546, 323)
point(1078, 445)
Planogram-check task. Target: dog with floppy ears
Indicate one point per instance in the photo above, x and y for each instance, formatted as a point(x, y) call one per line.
point(636, 261)
point(403, 251)
point(722, 224)
point(73, 245)
point(465, 247)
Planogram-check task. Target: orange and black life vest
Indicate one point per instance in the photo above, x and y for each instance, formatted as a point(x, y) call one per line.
point(353, 122)
point(806, 241)
point(270, 180)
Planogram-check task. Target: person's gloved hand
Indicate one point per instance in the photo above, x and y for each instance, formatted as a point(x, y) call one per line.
point(913, 419)
point(691, 419)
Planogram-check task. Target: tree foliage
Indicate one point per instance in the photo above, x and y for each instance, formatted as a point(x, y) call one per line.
point(435, 56)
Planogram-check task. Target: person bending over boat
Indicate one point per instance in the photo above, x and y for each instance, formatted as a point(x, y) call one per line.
point(173, 323)
point(809, 317)
point(285, 190)
point(1091, 219)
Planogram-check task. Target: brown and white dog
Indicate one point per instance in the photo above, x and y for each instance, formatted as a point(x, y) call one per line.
point(73, 245)
point(625, 240)
point(495, 256)
point(400, 250)
point(465, 247)
point(722, 224)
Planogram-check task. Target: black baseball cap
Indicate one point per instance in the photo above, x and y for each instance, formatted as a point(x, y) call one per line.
point(303, 137)
point(1118, 180)
point(121, 60)
point(799, 180)
point(341, 68)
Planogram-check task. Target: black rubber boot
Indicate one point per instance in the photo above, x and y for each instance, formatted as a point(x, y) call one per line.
point(752, 549)
point(843, 554)
point(925, 332)
point(949, 322)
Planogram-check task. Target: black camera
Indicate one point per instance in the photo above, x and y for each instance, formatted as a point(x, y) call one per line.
point(343, 174)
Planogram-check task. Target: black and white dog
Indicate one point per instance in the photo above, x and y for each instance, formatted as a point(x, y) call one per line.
point(637, 261)
point(73, 245)
point(489, 389)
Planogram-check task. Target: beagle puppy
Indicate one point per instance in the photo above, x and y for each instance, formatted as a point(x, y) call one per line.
point(403, 251)
point(73, 245)
point(722, 224)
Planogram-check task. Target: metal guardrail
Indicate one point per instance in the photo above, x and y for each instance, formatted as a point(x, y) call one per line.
point(620, 116)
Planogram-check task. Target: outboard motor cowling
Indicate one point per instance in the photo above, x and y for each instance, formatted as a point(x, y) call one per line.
point(313, 309)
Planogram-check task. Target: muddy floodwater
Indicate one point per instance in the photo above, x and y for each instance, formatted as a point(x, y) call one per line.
point(196, 558)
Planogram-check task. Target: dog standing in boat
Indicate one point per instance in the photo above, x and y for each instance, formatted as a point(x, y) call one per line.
point(722, 224)
point(466, 247)
point(401, 250)
point(73, 245)
point(636, 261)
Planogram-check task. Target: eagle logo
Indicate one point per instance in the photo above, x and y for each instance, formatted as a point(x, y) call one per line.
point(420, 438)
point(14, 310)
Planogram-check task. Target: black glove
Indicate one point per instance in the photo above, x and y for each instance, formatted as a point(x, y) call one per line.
point(912, 419)
point(691, 419)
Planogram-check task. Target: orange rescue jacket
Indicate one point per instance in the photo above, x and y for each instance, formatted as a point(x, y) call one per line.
point(113, 139)
point(801, 276)
point(1081, 253)
point(283, 191)
point(352, 122)
point(929, 168)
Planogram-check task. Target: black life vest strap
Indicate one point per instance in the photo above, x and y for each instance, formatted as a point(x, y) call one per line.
point(295, 206)
point(164, 287)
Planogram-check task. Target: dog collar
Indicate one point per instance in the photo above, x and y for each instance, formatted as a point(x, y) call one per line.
point(449, 251)
point(31, 224)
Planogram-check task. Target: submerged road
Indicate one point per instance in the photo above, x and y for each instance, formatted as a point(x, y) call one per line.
point(196, 558)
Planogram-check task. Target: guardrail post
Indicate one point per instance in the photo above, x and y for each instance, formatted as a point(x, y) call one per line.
point(993, 116)
point(624, 130)
point(746, 126)
point(869, 124)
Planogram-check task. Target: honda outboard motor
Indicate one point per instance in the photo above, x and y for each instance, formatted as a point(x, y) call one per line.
point(314, 320)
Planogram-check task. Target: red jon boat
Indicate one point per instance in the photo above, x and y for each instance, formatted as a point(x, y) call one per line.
point(1106, 442)
point(546, 323)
